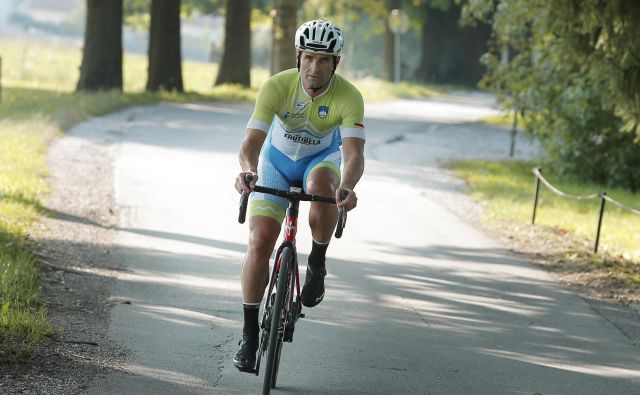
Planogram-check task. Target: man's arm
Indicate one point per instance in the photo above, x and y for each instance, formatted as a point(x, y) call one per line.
point(248, 157)
point(353, 168)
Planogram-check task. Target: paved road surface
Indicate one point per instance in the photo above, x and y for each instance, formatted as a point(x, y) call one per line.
point(417, 300)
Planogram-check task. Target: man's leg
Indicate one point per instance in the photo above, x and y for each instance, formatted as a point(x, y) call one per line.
point(322, 220)
point(263, 235)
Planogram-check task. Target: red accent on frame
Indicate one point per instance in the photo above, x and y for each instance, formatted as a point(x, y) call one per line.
point(290, 228)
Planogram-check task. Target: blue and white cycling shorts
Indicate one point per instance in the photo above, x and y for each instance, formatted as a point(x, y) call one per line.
point(276, 170)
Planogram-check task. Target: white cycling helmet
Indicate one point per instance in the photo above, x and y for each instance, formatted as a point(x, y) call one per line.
point(320, 36)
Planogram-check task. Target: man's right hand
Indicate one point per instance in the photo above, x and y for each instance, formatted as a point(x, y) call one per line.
point(241, 184)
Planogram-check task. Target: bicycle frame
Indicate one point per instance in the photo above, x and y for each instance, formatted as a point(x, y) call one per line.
point(290, 231)
point(287, 308)
point(293, 306)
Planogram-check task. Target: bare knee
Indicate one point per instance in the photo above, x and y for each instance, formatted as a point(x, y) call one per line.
point(262, 240)
point(322, 187)
point(322, 216)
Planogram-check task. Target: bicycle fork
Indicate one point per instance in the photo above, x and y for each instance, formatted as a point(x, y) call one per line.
point(293, 309)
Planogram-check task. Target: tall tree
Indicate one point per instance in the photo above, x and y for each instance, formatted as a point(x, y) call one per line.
point(388, 62)
point(165, 59)
point(101, 66)
point(450, 52)
point(235, 66)
point(285, 23)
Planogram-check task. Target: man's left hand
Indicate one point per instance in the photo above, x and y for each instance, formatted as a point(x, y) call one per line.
point(350, 202)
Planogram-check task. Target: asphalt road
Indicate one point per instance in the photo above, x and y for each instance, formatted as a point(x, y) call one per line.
point(417, 300)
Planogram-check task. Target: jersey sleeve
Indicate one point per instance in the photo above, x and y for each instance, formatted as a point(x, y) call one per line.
point(353, 116)
point(266, 107)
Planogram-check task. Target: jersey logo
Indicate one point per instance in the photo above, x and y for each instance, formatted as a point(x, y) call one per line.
point(286, 115)
point(300, 106)
point(301, 139)
point(323, 111)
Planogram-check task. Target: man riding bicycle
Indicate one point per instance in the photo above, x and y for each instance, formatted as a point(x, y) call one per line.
point(301, 119)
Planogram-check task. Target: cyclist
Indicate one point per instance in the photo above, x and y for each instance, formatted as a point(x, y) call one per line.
point(301, 119)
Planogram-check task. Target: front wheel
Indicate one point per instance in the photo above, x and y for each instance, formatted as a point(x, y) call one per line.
point(277, 321)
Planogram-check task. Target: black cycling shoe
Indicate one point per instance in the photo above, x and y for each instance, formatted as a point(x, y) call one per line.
point(245, 358)
point(313, 290)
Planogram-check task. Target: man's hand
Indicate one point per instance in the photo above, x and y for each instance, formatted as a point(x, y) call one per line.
point(241, 184)
point(349, 202)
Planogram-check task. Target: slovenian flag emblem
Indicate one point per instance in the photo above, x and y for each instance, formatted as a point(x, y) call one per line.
point(323, 111)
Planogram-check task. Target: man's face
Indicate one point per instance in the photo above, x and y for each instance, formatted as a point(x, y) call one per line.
point(316, 69)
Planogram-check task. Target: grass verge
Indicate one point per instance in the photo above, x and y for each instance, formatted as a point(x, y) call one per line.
point(504, 119)
point(30, 119)
point(506, 190)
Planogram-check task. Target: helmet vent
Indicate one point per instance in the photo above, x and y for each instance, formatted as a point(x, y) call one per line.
point(319, 36)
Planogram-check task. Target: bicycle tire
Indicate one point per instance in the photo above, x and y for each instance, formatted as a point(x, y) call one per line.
point(276, 365)
point(289, 313)
point(274, 347)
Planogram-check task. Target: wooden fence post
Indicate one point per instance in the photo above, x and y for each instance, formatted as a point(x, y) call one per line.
point(535, 197)
point(595, 247)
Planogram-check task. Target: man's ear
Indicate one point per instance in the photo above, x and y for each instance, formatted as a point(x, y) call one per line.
point(336, 60)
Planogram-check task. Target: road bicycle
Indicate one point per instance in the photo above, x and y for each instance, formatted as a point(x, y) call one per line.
point(282, 310)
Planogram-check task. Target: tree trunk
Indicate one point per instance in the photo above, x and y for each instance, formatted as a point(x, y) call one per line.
point(235, 66)
point(450, 52)
point(285, 24)
point(389, 42)
point(102, 54)
point(165, 59)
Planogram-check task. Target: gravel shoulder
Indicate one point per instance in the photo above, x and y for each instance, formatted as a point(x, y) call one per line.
point(72, 242)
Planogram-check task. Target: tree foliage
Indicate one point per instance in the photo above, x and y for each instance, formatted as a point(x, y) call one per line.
point(575, 76)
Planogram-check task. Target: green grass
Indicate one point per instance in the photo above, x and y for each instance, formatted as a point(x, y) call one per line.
point(507, 189)
point(22, 180)
point(505, 119)
point(56, 67)
point(51, 67)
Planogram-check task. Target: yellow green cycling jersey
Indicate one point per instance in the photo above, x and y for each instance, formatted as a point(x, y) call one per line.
point(301, 126)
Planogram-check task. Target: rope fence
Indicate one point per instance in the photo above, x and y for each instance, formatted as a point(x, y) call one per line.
point(537, 172)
